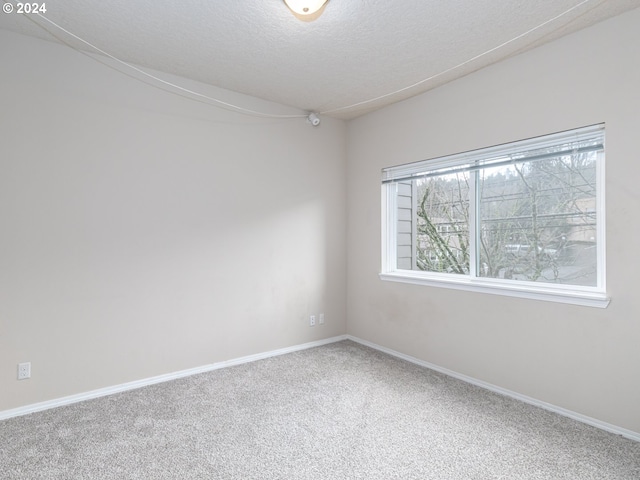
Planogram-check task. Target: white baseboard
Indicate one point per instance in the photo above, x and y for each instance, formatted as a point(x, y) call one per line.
point(101, 392)
point(488, 386)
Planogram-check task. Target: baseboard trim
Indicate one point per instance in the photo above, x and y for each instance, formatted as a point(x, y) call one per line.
point(630, 434)
point(102, 392)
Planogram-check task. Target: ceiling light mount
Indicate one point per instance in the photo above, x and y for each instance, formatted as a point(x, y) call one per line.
point(305, 8)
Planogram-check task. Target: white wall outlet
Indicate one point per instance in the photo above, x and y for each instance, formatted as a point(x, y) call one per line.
point(24, 370)
point(321, 319)
point(312, 320)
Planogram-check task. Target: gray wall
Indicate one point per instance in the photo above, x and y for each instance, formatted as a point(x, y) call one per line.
point(579, 358)
point(143, 233)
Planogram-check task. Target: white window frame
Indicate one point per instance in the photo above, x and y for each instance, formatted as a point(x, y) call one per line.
point(571, 294)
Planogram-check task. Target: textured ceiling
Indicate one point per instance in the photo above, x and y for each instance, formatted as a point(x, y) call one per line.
point(355, 51)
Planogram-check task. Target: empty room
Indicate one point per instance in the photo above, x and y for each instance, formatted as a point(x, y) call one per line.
point(319, 239)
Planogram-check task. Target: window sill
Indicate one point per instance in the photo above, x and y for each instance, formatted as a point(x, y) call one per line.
point(528, 291)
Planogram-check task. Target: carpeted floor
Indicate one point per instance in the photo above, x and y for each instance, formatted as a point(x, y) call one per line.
point(340, 411)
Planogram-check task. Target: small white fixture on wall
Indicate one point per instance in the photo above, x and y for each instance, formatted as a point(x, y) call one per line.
point(313, 119)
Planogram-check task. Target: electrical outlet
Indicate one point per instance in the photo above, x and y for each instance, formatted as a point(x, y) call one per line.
point(321, 319)
point(24, 370)
point(312, 320)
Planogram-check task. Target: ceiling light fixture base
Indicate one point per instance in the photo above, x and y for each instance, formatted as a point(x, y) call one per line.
point(306, 10)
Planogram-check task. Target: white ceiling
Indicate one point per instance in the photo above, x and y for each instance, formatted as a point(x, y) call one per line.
point(355, 51)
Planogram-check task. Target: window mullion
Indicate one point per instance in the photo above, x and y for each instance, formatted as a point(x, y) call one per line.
point(473, 224)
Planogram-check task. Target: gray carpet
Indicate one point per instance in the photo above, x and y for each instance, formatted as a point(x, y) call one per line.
point(340, 411)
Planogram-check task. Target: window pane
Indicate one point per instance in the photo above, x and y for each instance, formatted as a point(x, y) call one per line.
point(537, 220)
point(433, 219)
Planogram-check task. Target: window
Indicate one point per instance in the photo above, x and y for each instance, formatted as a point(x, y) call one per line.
point(522, 219)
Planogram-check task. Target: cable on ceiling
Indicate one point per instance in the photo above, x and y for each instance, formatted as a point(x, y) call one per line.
point(364, 102)
point(307, 115)
point(181, 90)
